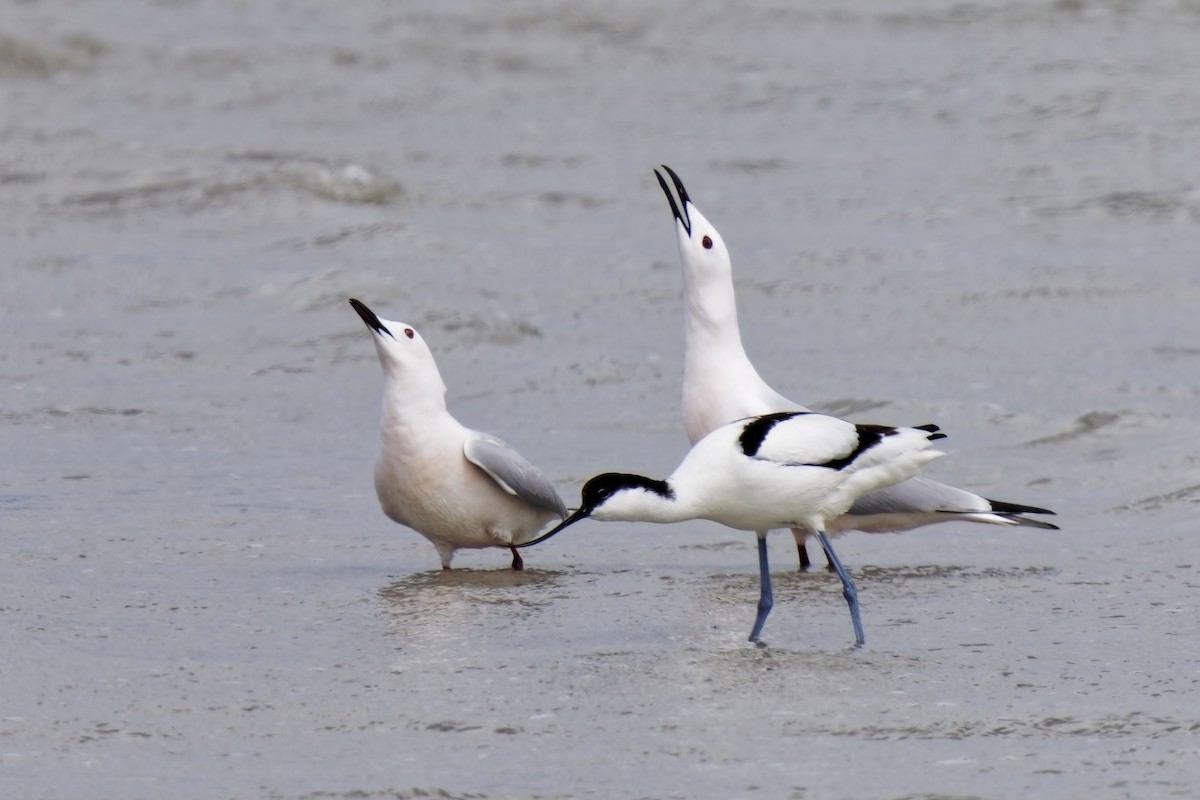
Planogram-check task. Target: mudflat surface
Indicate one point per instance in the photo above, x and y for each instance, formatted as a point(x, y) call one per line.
point(984, 216)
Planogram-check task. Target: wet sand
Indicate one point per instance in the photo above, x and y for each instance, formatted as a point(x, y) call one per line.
point(982, 216)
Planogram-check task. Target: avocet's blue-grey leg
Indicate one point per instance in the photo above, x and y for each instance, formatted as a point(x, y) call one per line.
point(765, 598)
point(849, 590)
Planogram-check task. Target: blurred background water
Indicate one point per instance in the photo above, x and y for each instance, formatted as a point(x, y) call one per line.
point(983, 215)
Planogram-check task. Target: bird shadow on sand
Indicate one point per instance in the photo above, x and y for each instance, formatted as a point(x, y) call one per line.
point(486, 587)
point(470, 579)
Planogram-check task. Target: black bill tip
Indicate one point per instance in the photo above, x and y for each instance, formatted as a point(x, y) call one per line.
point(368, 316)
point(680, 209)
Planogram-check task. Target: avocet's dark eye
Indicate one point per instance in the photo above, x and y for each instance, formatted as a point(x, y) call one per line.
point(408, 332)
point(707, 242)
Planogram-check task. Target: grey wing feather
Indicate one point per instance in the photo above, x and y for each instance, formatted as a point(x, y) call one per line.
point(919, 495)
point(513, 472)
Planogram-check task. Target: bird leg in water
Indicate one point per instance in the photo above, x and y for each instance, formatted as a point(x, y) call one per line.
point(766, 599)
point(849, 590)
point(802, 551)
point(518, 563)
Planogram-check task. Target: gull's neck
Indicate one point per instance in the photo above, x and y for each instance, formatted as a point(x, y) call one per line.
point(413, 401)
point(711, 324)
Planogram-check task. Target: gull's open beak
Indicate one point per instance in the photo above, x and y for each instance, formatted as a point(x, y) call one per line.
point(582, 513)
point(680, 210)
point(368, 316)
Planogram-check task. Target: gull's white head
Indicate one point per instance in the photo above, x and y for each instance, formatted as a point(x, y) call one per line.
point(402, 352)
point(701, 248)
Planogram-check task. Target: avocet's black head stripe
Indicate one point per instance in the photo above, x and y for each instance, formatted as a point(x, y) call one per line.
point(678, 209)
point(597, 490)
point(368, 316)
point(755, 432)
point(604, 486)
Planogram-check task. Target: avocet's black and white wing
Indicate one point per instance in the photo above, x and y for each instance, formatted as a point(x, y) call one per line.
point(512, 472)
point(799, 438)
point(721, 385)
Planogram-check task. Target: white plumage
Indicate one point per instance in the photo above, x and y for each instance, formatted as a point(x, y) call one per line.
point(720, 385)
point(455, 486)
point(790, 469)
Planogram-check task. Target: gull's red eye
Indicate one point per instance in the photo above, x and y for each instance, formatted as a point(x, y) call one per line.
point(707, 242)
point(408, 332)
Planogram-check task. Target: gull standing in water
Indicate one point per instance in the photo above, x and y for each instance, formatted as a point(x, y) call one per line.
point(792, 469)
point(721, 385)
point(454, 486)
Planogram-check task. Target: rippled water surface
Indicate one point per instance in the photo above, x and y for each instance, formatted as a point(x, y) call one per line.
point(983, 215)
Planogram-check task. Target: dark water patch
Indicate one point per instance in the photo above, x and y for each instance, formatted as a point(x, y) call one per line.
point(1112, 726)
point(537, 160)
point(578, 200)
point(1053, 294)
point(952, 573)
point(20, 177)
point(346, 235)
point(498, 587)
point(1171, 353)
point(1151, 205)
point(1084, 425)
point(750, 166)
point(22, 57)
point(716, 546)
point(455, 605)
point(1188, 494)
point(470, 579)
point(339, 181)
point(434, 793)
point(21, 502)
point(342, 181)
point(49, 414)
point(477, 328)
point(143, 194)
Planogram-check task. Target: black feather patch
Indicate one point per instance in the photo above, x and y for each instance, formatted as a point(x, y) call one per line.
point(756, 430)
point(932, 430)
point(602, 487)
point(1002, 507)
point(868, 437)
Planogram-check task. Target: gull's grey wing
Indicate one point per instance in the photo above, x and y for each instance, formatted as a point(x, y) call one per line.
point(513, 473)
point(920, 497)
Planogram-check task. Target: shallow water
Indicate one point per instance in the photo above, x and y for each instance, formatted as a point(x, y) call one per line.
point(984, 216)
